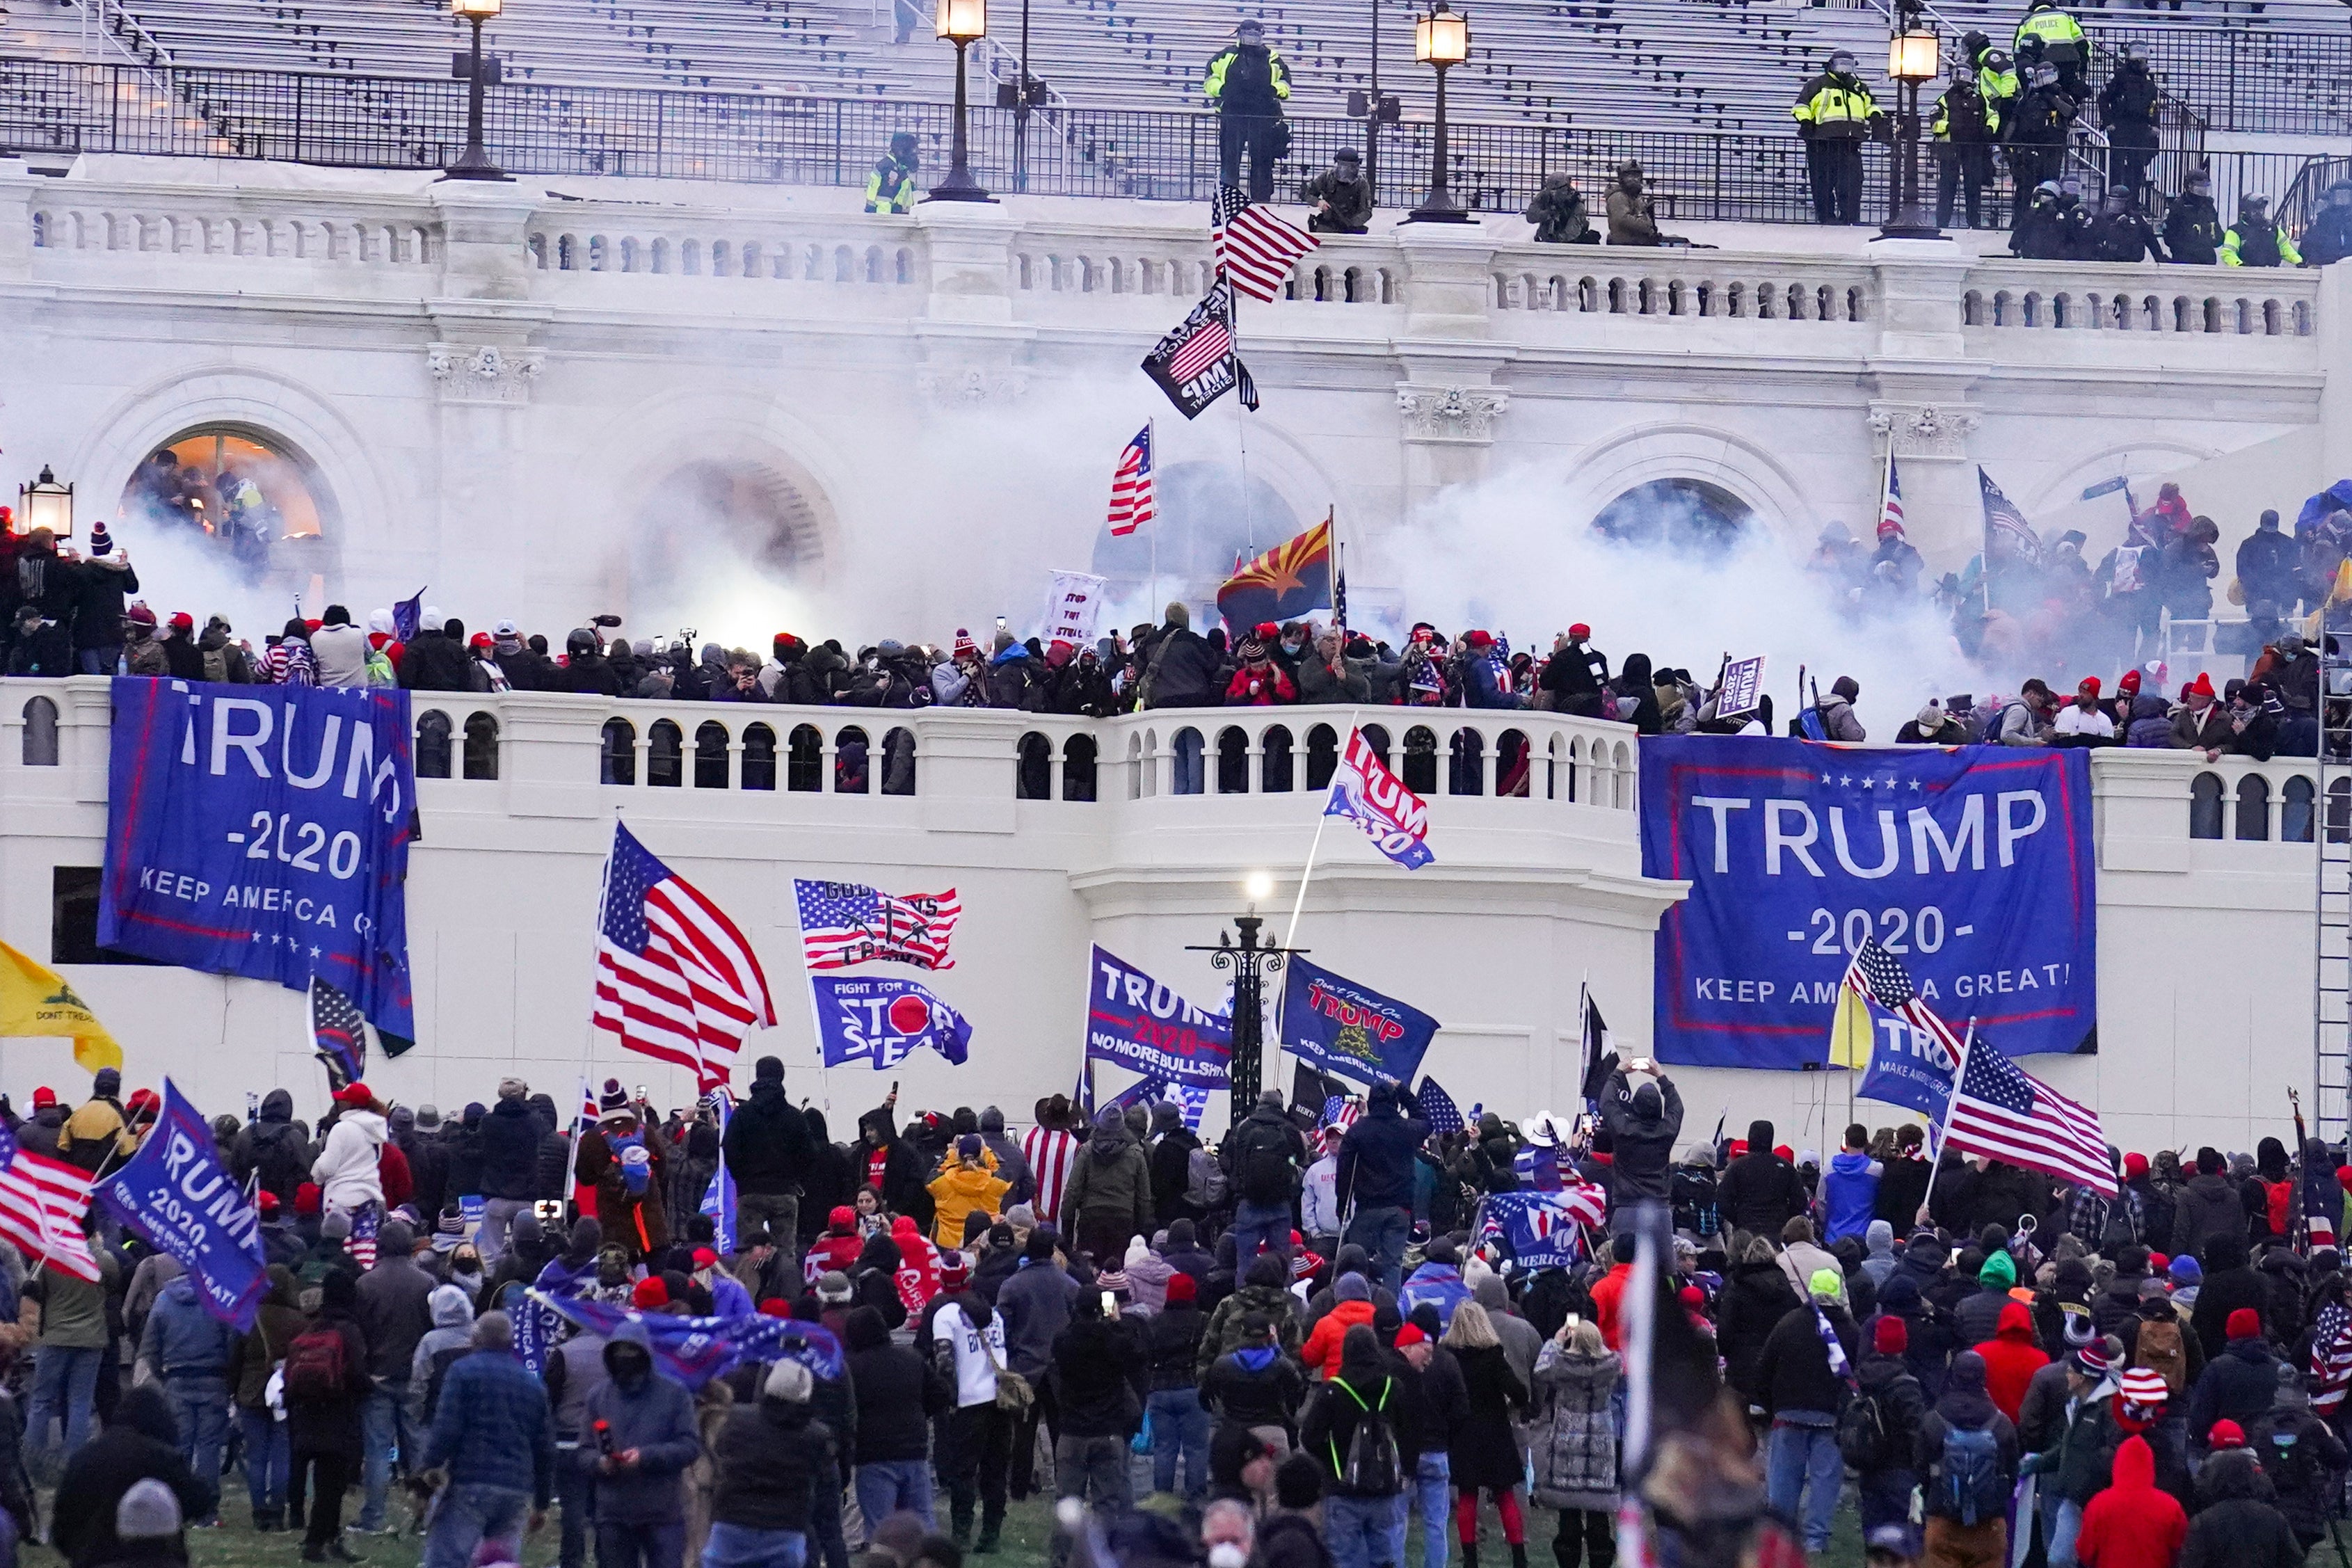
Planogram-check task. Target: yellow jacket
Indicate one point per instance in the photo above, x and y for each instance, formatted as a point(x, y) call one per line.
point(1834, 105)
point(96, 1126)
point(959, 1189)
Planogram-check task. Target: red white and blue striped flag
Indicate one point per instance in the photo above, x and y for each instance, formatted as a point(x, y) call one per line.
point(42, 1202)
point(1890, 507)
point(675, 978)
point(1130, 485)
point(2004, 1112)
point(1253, 245)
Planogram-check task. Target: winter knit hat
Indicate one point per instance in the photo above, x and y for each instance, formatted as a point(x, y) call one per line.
point(649, 1293)
point(2186, 1271)
point(1181, 1288)
point(2144, 1385)
point(1998, 1270)
point(833, 1287)
point(2245, 1323)
point(1891, 1336)
point(1351, 1288)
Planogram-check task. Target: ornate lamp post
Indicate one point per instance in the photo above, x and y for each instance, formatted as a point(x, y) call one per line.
point(1911, 58)
point(45, 503)
point(1251, 961)
point(1441, 39)
point(474, 162)
point(962, 23)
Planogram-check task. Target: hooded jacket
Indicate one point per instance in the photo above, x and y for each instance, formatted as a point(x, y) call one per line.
point(2236, 1525)
point(272, 1147)
point(1964, 1405)
point(768, 1145)
point(2012, 1357)
point(1010, 1162)
point(1849, 1195)
point(1376, 1155)
point(961, 1188)
point(346, 1169)
point(1035, 1306)
point(1793, 1372)
point(1754, 1300)
point(2208, 1207)
point(1643, 1125)
point(902, 1172)
point(140, 1443)
point(1878, 1260)
point(2132, 1524)
point(1573, 1442)
point(510, 1150)
point(1759, 1191)
point(449, 1338)
point(898, 1391)
point(2236, 1385)
point(1110, 1180)
point(767, 1461)
point(652, 1412)
point(183, 1340)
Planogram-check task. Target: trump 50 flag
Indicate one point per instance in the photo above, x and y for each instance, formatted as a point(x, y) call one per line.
point(1365, 793)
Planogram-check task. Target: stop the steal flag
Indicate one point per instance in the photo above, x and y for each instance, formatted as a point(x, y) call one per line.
point(882, 1021)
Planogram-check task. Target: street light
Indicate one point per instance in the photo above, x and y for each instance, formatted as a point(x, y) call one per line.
point(1251, 962)
point(476, 72)
point(45, 503)
point(962, 23)
point(1911, 58)
point(1440, 39)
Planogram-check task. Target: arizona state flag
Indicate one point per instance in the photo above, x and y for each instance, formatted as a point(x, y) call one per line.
point(35, 999)
point(1282, 584)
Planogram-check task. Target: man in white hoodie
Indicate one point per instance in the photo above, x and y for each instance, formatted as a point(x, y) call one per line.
point(339, 649)
point(1319, 1198)
point(346, 1169)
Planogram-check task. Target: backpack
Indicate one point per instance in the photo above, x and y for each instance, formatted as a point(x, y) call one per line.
point(1373, 1467)
point(379, 668)
point(1265, 1169)
point(315, 1372)
point(215, 662)
point(1971, 1490)
point(1205, 1187)
point(2281, 1199)
point(1862, 1431)
point(2158, 1349)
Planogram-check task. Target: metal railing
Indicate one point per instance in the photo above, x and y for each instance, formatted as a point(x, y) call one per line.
point(341, 120)
point(2240, 79)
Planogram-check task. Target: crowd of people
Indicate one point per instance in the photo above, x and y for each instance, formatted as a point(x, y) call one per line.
point(1307, 1344)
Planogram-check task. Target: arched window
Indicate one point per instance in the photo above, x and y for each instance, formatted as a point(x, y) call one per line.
point(1467, 769)
point(2205, 806)
point(1322, 755)
point(1420, 770)
point(40, 734)
point(1376, 736)
point(433, 745)
point(849, 761)
point(1033, 778)
point(2253, 808)
point(1511, 763)
point(481, 745)
point(758, 757)
point(1078, 768)
point(1233, 761)
point(711, 756)
point(1273, 763)
point(2295, 811)
point(804, 760)
point(1186, 761)
point(665, 755)
point(898, 762)
point(620, 760)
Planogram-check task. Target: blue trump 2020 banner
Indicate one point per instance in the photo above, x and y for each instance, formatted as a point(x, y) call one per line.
point(881, 1022)
point(1139, 1023)
point(1972, 866)
point(263, 831)
point(176, 1196)
point(1335, 1026)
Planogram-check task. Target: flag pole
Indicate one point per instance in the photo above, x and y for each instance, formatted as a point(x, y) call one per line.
point(1944, 1130)
point(1151, 445)
point(1299, 903)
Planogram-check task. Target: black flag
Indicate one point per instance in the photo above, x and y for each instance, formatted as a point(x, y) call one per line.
point(1600, 1050)
point(1194, 364)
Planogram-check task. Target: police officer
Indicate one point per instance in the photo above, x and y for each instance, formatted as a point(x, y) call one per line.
point(1834, 112)
point(2037, 139)
point(2192, 225)
point(2254, 240)
point(1965, 128)
point(2038, 237)
point(2127, 109)
point(2328, 238)
point(2050, 33)
point(1247, 84)
point(1341, 200)
point(1559, 214)
point(2121, 232)
point(890, 188)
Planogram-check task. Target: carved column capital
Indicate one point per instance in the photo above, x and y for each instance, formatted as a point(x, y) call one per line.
point(1451, 416)
point(1928, 431)
point(484, 373)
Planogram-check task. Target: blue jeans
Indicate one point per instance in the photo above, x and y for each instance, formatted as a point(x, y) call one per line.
point(65, 1388)
point(100, 660)
point(1185, 774)
point(384, 1421)
point(2065, 1524)
point(469, 1514)
point(1432, 1486)
point(739, 1546)
point(200, 1410)
point(265, 1462)
point(1259, 1227)
point(1363, 1532)
point(1382, 1233)
point(1179, 1429)
point(1887, 1498)
point(884, 1486)
point(1799, 1455)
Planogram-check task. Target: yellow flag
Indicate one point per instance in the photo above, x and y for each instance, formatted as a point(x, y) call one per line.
point(1851, 1033)
point(35, 999)
point(2339, 592)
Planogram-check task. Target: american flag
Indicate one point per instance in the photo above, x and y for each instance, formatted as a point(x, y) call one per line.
point(1879, 975)
point(2004, 523)
point(1050, 1152)
point(1890, 509)
point(675, 978)
point(42, 1202)
point(2005, 1113)
point(1340, 1111)
point(1212, 342)
point(1255, 247)
point(366, 1220)
point(337, 1035)
point(2331, 1359)
point(1130, 485)
point(1437, 1108)
point(843, 923)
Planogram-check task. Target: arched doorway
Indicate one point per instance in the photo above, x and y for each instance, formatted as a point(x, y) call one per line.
point(241, 491)
point(716, 541)
point(1207, 520)
point(1684, 514)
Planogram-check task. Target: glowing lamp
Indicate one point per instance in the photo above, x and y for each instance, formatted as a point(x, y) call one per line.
point(962, 21)
point(1441, 38)
point(45, 503)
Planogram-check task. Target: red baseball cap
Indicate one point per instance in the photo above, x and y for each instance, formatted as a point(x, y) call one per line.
point(1580, 630)
point(704, 1257)
point(44, 1096)
point(354, 1093)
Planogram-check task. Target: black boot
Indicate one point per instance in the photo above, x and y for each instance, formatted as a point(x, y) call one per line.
point(1470, 1553)
point(990, 1532)
point(1519, 1555)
